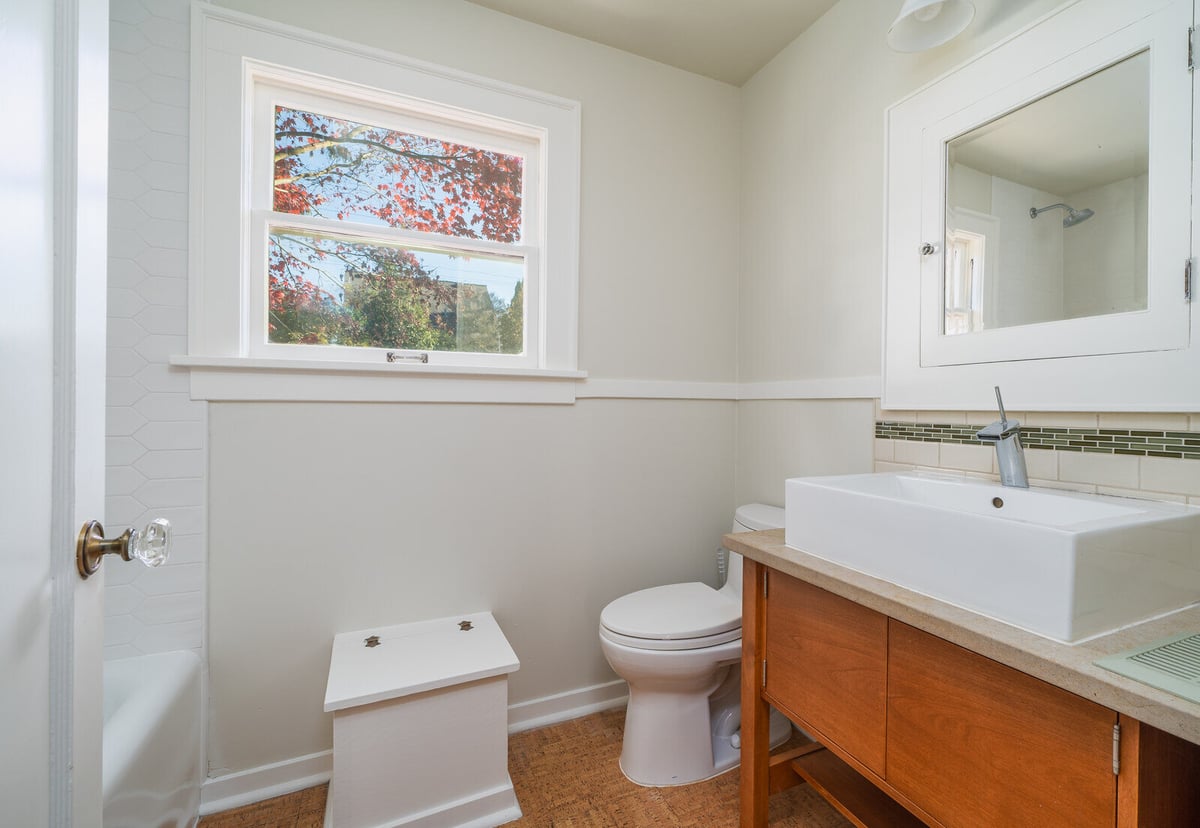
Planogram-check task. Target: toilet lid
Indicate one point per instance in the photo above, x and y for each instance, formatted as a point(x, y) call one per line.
point(675, 611)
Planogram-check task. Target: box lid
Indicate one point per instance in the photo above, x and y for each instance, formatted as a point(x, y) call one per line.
point(384, 663)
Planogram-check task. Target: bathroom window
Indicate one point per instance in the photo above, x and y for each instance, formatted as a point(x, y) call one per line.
point(370, 227)
point(381, 230)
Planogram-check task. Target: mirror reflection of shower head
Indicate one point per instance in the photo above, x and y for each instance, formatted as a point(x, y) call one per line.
point(1072, 217)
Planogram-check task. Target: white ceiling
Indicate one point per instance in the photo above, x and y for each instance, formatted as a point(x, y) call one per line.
point(728, 40)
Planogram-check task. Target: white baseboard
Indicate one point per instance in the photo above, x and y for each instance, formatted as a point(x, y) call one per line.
point(245, 787)
point(561, 707)
point(256, 784)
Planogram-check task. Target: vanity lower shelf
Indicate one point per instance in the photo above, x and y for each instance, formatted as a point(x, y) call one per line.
point(850, 793)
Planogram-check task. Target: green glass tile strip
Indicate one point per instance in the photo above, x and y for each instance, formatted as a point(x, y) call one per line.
point(1136, 442)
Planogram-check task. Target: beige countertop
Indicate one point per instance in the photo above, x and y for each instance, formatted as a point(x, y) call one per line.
point(1069, 666)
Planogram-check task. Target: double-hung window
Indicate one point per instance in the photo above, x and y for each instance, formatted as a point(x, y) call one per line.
point(359, 212)
point(380, 230)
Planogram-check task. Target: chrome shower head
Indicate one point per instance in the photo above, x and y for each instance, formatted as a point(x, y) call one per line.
point(1072, 217)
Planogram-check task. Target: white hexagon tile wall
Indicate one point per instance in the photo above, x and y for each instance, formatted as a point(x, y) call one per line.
point(156, 433)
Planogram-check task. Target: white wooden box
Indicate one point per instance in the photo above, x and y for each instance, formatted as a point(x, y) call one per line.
point(420, 726)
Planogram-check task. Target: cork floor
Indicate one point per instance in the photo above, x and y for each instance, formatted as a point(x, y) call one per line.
point(566, 776)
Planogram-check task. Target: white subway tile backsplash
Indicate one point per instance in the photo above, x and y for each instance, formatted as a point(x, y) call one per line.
point(967, 457)
point(1166, 474)
point(1156, 422)
point(946, 417)
point(885, 449)
point(1101, 469)
point(916, 454)
point(1041, 464)
point(1059, 419)
point(1141, 494)
point(885, 466)
point(168, 464)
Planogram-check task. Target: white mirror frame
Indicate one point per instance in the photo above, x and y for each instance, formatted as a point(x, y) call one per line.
point(1131, 361)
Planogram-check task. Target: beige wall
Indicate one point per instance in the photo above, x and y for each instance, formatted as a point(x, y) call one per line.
point(326, 518)
point(329, 518)
point(811, 281)
point(778, 439)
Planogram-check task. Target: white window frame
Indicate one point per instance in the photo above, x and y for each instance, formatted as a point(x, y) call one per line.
point(241, 65)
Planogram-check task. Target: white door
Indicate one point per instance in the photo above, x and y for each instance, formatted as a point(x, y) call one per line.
point(53, 173)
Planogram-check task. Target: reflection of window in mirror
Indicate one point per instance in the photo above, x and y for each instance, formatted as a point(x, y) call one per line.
point(1056, 190)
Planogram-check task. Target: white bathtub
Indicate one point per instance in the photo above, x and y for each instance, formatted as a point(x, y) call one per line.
point(152, 750)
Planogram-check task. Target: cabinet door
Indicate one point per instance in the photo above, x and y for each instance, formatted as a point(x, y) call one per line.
point(976, 743)
point(827, 667)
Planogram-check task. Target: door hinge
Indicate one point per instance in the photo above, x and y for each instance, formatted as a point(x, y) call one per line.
point(1191, 48)
point(764, 684)
point(1187, 280)
point(1116, 750)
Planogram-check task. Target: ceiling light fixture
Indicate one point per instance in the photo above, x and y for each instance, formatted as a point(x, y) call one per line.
point(923, 24)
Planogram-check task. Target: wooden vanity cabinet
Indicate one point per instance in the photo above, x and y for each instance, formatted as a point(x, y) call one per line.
point(827, 668)
point(973, 742)
point(917, 730)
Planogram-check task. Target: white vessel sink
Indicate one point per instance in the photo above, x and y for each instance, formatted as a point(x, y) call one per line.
point(1064, 565)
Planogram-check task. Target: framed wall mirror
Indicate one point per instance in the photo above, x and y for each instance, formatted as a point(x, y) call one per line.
point(1046, 207)
point(1039, 211)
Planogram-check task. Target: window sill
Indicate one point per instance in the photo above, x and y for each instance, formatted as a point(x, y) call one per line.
point(220, 378)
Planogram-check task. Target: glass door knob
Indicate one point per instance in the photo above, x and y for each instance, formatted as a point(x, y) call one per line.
point(151, 545)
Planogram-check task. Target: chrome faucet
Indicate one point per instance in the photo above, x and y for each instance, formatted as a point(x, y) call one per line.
point(1010, 454)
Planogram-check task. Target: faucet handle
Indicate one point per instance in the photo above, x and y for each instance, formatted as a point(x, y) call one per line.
point(1000, 405)
point(998, 430)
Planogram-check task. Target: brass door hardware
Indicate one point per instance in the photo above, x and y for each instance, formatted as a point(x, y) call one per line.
point(151, 545)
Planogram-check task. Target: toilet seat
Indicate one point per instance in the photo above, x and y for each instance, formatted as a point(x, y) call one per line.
point(673, 617)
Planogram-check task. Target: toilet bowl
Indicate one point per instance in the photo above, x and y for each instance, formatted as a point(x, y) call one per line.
point(679, 647)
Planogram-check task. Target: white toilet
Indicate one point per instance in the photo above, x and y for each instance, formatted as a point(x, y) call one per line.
point(679, 647)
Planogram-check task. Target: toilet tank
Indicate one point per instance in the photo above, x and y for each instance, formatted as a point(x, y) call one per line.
point(749, 518)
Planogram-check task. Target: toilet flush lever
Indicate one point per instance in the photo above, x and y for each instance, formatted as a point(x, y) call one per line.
point(151, 545)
